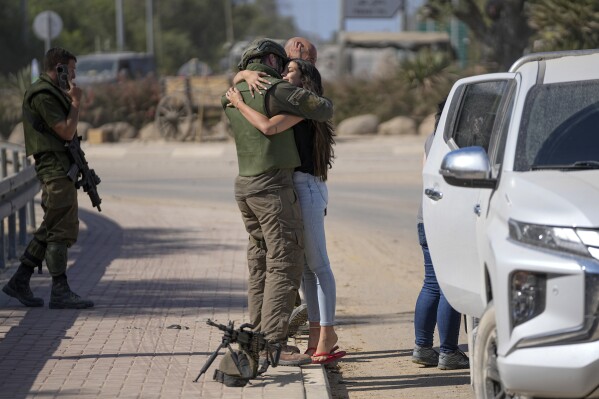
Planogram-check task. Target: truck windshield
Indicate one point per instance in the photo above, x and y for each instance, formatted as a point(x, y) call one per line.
point(560, 127)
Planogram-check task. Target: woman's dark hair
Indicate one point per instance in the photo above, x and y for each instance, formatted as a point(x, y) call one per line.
point(323, 131)
point(55, 56)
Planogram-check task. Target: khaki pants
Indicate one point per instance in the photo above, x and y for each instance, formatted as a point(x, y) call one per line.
point(272, 216)
point(60, 224)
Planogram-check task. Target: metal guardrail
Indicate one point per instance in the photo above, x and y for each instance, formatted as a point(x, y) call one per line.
point(17, 191)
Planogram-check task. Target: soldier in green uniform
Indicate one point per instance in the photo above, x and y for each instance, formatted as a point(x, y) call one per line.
point(50, 117)
point(265, 195)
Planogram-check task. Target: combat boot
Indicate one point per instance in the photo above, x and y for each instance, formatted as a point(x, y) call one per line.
point(62, 297)
point(18, 287)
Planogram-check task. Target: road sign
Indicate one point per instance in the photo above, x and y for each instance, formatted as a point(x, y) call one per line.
point(372, 8)
point(47, 25)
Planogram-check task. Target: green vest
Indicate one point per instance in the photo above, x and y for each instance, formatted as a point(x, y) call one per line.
point(42, 138)
point(256, 152)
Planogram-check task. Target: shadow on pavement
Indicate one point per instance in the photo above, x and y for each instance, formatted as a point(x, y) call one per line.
point(433, 379)
point(378, 318)
point(452, 378)
point(30, 337)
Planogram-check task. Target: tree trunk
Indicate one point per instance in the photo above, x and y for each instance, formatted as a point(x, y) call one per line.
point(507, 35)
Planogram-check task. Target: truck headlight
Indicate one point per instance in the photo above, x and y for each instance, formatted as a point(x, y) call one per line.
point(564, 239)
point(527, 296)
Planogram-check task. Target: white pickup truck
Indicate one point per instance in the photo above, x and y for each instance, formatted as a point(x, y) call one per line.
point(511, 209)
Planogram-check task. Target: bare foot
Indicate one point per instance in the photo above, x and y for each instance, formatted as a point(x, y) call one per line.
point(327, 342)
point(313, 338)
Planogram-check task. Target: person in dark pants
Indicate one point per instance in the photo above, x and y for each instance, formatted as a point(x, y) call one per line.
point(302, 48)
point(314, 142)
point(50, 117)
point(266, 197)
point(433, 309)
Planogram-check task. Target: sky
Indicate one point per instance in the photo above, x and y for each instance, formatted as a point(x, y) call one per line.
point(321, 18)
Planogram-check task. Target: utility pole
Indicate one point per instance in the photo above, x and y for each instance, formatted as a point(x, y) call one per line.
point(403, 9)
point(341, 40)
point(229, 22)
point(149, 27)
point(120, 35)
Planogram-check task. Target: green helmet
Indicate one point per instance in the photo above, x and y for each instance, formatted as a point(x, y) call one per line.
point(259, 48)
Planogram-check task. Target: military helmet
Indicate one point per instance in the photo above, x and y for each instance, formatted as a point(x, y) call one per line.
point(259, 48)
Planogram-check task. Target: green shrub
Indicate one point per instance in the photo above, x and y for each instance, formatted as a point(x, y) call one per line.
point(12, 90)
point(414, 90)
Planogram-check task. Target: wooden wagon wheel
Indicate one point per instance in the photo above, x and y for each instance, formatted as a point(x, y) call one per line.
point(173, 117)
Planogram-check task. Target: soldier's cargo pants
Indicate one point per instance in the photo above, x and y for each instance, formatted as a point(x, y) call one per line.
point(59, 226)
point(272, 216)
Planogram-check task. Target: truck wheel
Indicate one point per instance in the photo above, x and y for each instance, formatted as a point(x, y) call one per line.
point(487, 381)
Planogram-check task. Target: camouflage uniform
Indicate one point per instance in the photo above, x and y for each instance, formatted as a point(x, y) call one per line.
point(45, 105)
point(46, 102)
point(267, 200)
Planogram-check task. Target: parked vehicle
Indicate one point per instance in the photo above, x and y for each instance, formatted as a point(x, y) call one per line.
point(510, 201)
point(110, 67)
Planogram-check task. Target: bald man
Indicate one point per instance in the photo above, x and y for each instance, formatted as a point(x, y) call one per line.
point(300, 47)
point(296, 47)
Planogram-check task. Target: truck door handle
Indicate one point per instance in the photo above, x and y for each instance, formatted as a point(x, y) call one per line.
point(433, 194)
point(477, 209)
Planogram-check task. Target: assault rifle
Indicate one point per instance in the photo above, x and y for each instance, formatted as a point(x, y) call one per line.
point(250, 342)
point(89, 179)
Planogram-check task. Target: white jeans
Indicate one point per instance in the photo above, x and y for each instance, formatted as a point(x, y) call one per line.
point(318, 280)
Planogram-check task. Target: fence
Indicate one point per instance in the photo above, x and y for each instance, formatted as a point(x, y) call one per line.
point(17, 191)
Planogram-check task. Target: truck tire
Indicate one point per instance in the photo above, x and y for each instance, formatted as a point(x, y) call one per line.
point(487, 381)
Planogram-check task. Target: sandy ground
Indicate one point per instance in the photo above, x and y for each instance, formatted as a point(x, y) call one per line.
point(379, 275)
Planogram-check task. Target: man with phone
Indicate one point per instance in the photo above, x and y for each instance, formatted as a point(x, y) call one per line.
point(50, 117)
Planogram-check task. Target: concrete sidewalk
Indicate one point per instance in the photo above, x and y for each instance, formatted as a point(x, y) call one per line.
point(156, 272)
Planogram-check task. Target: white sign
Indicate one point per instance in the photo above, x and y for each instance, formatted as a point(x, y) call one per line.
point(47, 25)
point(371, 8)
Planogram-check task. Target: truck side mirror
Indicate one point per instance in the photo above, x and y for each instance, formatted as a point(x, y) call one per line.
point(468, 167)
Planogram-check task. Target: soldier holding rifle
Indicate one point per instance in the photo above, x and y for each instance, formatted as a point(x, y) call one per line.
point(50, 117)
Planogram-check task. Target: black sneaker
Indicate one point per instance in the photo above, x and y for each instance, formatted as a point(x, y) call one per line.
point(298, 318)
point(425, 356)
point(453, 361)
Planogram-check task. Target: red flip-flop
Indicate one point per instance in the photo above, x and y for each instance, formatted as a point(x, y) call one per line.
point(329, 357)
point(314, 349)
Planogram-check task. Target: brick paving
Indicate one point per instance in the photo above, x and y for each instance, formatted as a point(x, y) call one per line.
point(156, 272)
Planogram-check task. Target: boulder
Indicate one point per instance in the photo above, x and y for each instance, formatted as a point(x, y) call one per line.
point(17, 136)
point(119, 131)
point(149, 133)
point(427, 125)
point(400, 125)
point(358, 125)
point(83, 128)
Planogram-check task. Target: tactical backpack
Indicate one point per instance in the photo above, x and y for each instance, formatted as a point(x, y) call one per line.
point(236, 368)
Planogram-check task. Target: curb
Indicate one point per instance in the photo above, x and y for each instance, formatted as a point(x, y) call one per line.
point(316, 383)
